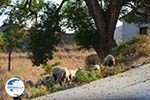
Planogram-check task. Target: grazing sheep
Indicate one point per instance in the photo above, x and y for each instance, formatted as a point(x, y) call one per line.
point(72, 73)
point(96, 67)
point(60, 74)
point(28, 83)
point(109, 60)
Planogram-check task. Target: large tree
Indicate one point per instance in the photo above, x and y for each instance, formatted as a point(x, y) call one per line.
point(93, 20)
point(105, 14)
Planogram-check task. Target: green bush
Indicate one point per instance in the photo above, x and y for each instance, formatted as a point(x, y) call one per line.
point(142, 46)
point(40, 91)
point(85, 76)
point(48, 68)
point(55, 88)
point(109, 71)
point(139, 46)
point(82, 76)
point(94, 75)
point(92, 60)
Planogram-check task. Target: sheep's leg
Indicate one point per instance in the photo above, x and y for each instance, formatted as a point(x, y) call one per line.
point(60, 83)
point(55, 77)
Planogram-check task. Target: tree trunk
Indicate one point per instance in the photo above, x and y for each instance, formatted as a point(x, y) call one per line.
point(105, 21)
point(9, 58)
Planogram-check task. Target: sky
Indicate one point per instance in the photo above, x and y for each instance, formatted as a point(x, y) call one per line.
point(3, 17)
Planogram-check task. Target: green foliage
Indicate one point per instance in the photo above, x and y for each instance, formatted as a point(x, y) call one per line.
point(82, 76)
point(55, 88)
point(48, 68)
point(81, 22)
point(15, 25)
point(40, 91)
point(94, 75)
point(42, 37)
point(2, 43)
point(92, 60)
point(109, 71)
point(139, 46)
point(124, 50)
point(142, 46)
point(13, 35)
point(137, 16)
point(4, 2)
point(85, 76)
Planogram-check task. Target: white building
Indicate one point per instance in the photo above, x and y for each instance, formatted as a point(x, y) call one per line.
point(129, 30)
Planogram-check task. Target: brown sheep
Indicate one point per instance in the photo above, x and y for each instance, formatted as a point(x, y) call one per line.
point(109, 60)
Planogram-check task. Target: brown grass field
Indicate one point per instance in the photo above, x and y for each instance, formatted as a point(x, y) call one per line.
point(22, 66)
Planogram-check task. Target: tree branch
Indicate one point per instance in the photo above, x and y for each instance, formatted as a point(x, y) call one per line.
point(97, 13)
point(136, 9)
point(60, 6)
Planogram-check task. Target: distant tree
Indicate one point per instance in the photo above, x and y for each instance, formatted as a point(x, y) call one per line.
point(21, 15)
point(12, 37)
point(43, 17)
point(2, 43)
point(13, 29)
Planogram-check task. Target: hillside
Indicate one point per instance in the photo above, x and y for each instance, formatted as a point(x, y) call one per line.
point(129, 55)
point(131, 85)
point(22, 66)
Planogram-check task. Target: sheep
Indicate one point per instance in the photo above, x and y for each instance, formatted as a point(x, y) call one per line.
point(60, 74)
point(96, 67)
point(109, 60)
point(72, 74)
point(28, 83)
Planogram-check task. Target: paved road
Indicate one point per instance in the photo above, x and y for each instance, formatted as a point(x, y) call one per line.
point(131, 85)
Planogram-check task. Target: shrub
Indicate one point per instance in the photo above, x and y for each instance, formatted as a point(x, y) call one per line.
point(40, 91)
point(82, 76)
point(92, 60)
point(55, 88)
point(143, 45)
point(94, 75)
point(48, 68)
point(109, 71)
point(138, 46)
point(85, 76)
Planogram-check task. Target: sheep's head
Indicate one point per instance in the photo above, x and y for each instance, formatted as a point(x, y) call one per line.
point(96, 67)
point(109, 60)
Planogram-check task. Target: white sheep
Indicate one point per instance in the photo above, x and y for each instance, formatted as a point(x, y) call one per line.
point(96, 67)
point(73, 72)
point(109, 60)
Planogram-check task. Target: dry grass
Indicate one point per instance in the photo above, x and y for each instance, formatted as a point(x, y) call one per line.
point(71, 59)
point(22, 66)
